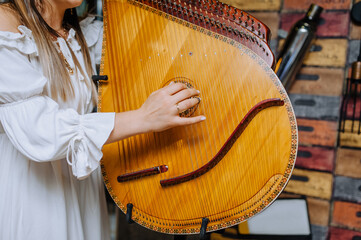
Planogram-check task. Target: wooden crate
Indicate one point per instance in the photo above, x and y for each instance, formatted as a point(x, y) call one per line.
point(348, 162)
point(258, 5)
point(327, 5)
point(316, 107)
point(346, 214)
point(315, 158)
point(310, 183)
point(348, 189)
point(318, 81)
point(332, 24)
point(326, 53)
point(317, 132)
point(318, 211)
point(343, 234)
point(350, 137)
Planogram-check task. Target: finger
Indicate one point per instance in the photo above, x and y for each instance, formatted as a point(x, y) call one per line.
point(188, 103)
point(182, 121)
point(174, 88)
point(185, 94)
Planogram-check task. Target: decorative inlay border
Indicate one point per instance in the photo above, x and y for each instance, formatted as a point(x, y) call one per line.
point(278, 184)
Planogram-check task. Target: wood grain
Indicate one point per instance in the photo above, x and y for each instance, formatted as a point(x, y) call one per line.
point(326, 4)
point(316, 107)
point(318, 211)
point(311, 183)
point(315, 158)
point(326, 53)
point(348, 162)
point(255, 5)
point(332, 24)
point(332, 53)
point(346, 214)
point(347, 189)
point(317, 132)
point(319, 81)
point(343, 234)
point(350, 137)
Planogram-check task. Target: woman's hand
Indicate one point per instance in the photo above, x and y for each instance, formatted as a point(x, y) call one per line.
point(158, 113)
point(161, 110)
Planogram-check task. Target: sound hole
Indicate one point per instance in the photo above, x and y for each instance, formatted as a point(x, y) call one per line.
point(190, 84)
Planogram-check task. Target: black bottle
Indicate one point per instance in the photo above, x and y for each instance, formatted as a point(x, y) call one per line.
point(296, 45)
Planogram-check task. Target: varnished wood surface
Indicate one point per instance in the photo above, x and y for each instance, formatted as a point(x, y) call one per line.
point(143, 52)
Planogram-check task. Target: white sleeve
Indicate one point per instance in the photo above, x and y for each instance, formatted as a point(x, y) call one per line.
point(38, 128)
point(93, 34)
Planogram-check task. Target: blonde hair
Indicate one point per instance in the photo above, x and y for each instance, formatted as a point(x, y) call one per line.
point(53, 64)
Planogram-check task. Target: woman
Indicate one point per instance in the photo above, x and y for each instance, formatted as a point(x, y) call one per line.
point(49, 140)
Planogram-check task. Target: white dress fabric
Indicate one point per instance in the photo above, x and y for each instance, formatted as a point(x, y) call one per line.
point(50, 181)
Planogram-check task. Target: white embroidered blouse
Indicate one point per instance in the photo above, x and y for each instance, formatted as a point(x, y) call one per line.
point(47, 147)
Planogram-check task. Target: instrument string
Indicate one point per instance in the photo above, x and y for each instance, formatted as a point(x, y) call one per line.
point(185, 72)
point(118, 59)
point(194, 41)
point(172, 45)
point(228, 89)
point(118, 103)
point(131, 77)
point(152, 80)
point(207, 84)
point(207, 137)
point(202, 105)
point(199, 128)
point(255, 84)
point(244, 99)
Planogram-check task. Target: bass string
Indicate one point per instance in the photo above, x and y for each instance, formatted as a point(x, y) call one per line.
point(150, 31)
point(119, 104)
point(116, 88)
point(134, 52)
point(126, 34)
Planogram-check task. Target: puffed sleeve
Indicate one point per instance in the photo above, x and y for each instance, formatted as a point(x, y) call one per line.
point(35, 124)
point(93, 34)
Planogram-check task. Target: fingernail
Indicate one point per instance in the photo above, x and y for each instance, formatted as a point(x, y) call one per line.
point(198, 91)
point(171, 83)
point(203, 118)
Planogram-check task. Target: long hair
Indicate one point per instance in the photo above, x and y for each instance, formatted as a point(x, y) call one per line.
point(53, 64)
